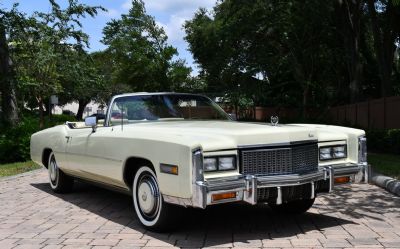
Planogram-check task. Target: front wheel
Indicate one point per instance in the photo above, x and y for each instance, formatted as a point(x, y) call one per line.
point(59, 182)
point(152, 211)
point(293, 207)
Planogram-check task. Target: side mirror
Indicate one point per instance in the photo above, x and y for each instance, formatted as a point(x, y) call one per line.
point(233, 116)
point(91, 121)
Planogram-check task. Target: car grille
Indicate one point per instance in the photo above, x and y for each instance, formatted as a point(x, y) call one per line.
point(278, 161)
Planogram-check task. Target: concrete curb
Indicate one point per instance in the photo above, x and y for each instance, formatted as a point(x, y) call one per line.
point(390, 184)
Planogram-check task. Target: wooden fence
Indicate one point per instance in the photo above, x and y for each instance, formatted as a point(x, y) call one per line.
point(264, 114)
point(381, 113)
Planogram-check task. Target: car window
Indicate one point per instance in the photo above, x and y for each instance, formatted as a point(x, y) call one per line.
point(164, 107)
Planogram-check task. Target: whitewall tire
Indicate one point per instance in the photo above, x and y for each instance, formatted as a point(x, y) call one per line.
point(59, 182)
point(150, 208)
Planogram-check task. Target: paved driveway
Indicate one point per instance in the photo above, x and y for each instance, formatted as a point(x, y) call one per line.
point(31, 216)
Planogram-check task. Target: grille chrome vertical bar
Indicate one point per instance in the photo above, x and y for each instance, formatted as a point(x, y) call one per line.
point(279, 196)
point(250, 193)
point(312, 190)
point(331, 178)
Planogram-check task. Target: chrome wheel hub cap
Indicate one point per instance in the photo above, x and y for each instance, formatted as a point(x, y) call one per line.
point(148, 196)
point(53, 170)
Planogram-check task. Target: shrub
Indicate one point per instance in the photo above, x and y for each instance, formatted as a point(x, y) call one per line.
point(15, 141)
point(58, 119)
point(384, 140)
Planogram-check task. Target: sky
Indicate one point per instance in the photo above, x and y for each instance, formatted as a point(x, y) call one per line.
point(170, 14)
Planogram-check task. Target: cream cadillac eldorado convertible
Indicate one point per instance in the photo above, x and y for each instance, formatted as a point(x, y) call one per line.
point(171, 149)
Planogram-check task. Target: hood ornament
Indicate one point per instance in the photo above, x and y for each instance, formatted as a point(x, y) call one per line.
point(274, 120)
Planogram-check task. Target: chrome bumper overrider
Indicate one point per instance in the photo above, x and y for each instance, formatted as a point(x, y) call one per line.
point(246, 187)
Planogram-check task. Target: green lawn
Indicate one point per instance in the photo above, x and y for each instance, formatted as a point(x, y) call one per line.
point(17, 168)
point(387, 164)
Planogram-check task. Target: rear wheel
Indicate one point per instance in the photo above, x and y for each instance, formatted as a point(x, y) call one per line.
point(59, 182)
point(293, 207)
point(152, 211)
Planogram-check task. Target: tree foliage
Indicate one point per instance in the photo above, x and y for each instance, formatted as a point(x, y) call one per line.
point(259, 52)
point(81, 81)
point(41, 47)
point(139, 52)
point(296, 53)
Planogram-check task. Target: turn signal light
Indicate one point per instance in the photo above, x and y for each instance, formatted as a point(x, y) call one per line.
point(223, 196)
point(169, 169)
point(343, 179)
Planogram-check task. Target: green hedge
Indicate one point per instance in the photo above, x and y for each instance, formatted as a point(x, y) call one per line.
point(387, 141)
point(15, 141)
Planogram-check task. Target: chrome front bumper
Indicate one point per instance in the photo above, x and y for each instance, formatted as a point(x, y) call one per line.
point(246, 187)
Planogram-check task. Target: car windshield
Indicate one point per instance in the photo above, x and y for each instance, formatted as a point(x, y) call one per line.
point(165, 107)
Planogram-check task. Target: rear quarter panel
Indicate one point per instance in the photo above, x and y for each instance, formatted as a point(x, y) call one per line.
point(52, 138)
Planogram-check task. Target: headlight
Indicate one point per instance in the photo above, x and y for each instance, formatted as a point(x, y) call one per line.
point(210, 164)
point(362, 150)
point(332, 152)
point(339, 151)
point(220, 163)
point(226, 163)
point(325, 153)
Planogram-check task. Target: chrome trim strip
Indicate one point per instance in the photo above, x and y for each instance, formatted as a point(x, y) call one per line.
point(220, 150)
point(185, 202)
point(275, 145)
point(331, 141)
point(103, 184)
point(301, 142)
point(92, 156)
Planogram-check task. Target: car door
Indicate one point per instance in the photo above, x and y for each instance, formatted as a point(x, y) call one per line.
point(85, 155)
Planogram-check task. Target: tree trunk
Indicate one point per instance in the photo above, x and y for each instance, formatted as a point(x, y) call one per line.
point(306, 96)
point(350, 16)
point(384, 42)
point(81, 108)
point(7, 82)
point(41, 112)
point(300, 76)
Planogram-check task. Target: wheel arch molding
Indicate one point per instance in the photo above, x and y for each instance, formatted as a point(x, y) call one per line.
point(45, 157)
point(131, 166)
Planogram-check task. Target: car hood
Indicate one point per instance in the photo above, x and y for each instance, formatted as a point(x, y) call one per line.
point(216, 135)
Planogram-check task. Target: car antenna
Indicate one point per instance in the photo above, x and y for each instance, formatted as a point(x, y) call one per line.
point(122, 118)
